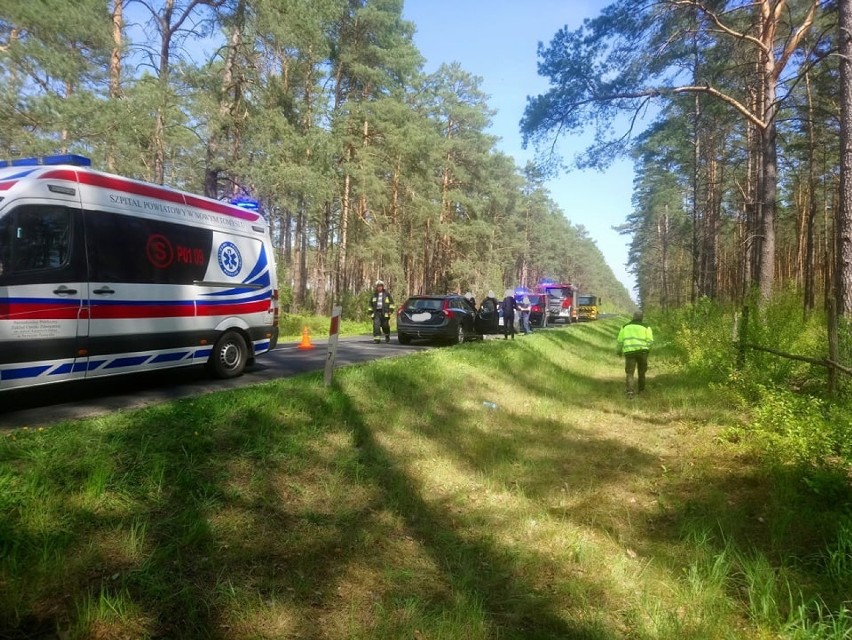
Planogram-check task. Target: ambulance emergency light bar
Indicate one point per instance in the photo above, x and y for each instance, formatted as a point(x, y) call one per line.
point(65, 158)
point(244, 202)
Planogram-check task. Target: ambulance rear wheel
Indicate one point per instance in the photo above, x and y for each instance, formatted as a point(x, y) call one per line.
point(229, 356)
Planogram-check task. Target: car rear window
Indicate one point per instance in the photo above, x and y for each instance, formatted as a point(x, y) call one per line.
point(424, 304)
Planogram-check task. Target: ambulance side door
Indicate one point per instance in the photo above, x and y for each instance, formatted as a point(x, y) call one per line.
point(43, 293)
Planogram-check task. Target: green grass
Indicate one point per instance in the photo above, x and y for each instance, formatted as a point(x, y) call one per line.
point(396, 505)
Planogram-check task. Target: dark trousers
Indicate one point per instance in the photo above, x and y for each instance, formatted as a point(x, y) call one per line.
point(633, 361)
point(381, 323)
point(509, 326)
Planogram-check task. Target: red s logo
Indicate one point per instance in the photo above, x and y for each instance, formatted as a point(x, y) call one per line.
point(160, 252)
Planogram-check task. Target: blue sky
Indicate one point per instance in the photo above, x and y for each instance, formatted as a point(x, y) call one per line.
point(497, 40)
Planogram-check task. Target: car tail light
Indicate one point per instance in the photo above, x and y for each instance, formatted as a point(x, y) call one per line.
point(274, 307)
point(566, 303)
point(535, 308)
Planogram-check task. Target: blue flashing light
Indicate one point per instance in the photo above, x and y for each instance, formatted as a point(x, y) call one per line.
point(36, 161)
point(522, 291)
point(244, 202)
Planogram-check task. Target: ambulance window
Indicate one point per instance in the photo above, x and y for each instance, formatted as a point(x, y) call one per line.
point(34, 238)
point(133, 249)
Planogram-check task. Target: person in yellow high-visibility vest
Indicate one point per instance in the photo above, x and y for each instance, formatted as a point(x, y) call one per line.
point(634, 342)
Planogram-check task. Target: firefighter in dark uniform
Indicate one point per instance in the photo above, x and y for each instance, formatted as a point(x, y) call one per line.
point(381, 308)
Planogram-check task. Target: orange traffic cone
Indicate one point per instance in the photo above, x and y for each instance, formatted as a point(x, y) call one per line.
point(306, 340)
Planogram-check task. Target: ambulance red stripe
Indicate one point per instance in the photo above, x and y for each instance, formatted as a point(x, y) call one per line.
point(132, 311)
point(47, 311)
point(149, 191)
point(39, 311)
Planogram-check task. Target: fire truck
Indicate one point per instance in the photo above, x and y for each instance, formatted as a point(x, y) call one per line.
point(587, 307)
point(561, 301)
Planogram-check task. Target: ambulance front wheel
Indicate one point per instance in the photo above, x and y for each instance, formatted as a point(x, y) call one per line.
point(229, 356)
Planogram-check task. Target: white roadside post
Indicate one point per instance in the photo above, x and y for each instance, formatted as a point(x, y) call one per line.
point(333, 335)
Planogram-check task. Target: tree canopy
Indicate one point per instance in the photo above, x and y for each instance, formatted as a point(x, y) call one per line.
point(365, 165)
point(737, 177)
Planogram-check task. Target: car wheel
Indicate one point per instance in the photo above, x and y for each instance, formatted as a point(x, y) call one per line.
point(461, 335)
point(403, 338)
point(229, 356)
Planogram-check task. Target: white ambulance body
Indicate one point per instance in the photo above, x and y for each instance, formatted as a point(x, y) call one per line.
point(103, 275)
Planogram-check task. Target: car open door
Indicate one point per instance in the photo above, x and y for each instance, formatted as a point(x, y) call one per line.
point(487, 319)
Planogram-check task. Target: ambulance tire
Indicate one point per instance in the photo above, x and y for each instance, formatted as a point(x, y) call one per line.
point(229, 356)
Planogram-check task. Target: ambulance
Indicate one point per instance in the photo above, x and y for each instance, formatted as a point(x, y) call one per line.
point(102, 275)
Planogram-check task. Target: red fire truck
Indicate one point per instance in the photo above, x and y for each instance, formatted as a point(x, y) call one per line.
point(561, 301)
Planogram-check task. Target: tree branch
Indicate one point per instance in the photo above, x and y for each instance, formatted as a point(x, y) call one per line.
point(656, 93)
point(793, 44)
point(695, 4)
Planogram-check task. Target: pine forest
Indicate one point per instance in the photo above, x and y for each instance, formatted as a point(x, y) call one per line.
point(366, 166)
point(741, 181)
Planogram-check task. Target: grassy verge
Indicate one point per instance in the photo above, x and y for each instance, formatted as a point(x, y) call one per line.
point(397, 505)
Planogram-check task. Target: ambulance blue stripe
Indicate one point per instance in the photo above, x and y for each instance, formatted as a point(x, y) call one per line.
point(20, 174)
point(132, 361)
point(140, 303)
point(262, 264)
point(234, 292)
point(203, 353)
point(75, 367)
point(259, 276)
point(264, 281)
point(259, 296)
point(170, 357)
point(261, 347)
point(23, 372)
point(62, 369)
point(51, 301)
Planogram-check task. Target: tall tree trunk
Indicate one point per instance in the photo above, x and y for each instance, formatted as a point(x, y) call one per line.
point(769, 186)
point(345, 207)
point(167, 26)
point(843, 224)
point(115, 68)
point(298, 292)
point(663, 236)
point(696, 211)
point(228, 97)
point(811, 205)
point(709, 252)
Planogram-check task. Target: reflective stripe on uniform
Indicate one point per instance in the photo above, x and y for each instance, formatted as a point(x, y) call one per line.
point(635, 337)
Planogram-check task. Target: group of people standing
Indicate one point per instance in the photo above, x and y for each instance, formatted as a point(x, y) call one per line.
point(508, 307)
point(634, 339)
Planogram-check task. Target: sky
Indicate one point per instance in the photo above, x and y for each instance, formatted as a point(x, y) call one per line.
point(497, 40)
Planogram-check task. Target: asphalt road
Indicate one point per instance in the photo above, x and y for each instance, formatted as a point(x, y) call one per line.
point(41, 406)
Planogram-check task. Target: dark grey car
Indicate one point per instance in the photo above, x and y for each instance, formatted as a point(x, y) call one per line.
point(448, 318)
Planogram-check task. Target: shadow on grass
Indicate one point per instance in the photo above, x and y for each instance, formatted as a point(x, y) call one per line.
point(472, 566)
point(253, 508)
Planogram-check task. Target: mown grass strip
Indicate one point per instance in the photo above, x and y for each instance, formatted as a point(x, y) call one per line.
point(397, 505)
